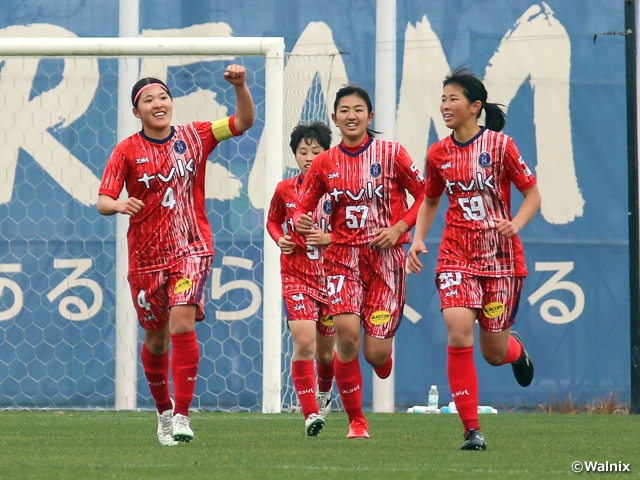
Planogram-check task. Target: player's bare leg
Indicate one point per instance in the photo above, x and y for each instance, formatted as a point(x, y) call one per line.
point(378, 353)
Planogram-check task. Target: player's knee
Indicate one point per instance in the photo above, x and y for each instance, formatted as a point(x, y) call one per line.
point(324, 357)
point(376, 358)
point(305, 348)
point(493, 358)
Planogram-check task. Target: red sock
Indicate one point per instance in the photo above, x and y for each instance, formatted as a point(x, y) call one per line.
point(349, 382)
point(463, 383)
point(184, 369)
point(325, 375)
point(156, 370)
point(384, 370)
point(304, 381)
point(514, 351)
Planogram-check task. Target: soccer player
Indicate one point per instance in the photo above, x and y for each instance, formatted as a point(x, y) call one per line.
point(481, 269)
point(169, 238)
point(303, 282)
point(367, 180)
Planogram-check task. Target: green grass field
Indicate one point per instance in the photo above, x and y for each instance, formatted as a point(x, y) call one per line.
point(122, 445)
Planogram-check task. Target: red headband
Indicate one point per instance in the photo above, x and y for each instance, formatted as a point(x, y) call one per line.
point(135, 99)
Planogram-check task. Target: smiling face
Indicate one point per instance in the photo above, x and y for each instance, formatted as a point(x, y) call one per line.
point(352, 117)
point(155, 109)
point(306, 151)
point(457, 112)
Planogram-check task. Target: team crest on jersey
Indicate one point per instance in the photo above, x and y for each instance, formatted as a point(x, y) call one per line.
point(375, 170)
point(327, 207)
point(180, 146)
point(484, 160)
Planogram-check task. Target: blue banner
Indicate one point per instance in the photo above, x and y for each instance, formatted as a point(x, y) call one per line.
point(558, 67)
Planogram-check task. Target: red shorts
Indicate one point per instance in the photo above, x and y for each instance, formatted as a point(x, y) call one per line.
point(302, 306)
point(495, 298)
point(368, 282)
point(154, 293)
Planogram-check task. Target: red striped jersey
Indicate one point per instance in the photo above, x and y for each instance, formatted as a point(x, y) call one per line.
point(168, 176)
point(477, 178)
point(367, 187)
point(304, 265)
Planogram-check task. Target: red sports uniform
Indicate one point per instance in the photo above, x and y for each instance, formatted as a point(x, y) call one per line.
point(474, 258)
point(168, 176)
point(477, 177)
point(303, 282)
point(367, 186)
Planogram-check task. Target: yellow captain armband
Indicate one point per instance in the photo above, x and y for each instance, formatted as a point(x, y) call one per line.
point(221, 129)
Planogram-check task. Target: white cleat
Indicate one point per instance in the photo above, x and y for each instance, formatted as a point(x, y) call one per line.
point(180, 429)
point(324, 403)
point(164, 428)
point(313, 424)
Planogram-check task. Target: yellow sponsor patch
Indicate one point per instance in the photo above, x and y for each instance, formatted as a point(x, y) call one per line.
point(380, 317)
point(182, 285)
point(493, 309)
point(326, 321)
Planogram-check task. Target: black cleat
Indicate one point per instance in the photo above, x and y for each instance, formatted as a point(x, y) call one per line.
point(523, 367)
point(474, 440)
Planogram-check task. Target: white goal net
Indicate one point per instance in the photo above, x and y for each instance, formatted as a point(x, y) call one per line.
point(69, 336)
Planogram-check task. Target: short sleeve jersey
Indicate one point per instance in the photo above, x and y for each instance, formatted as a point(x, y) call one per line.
point(368, 189)
point(477, 178)
point(305, 263)
point(168, 176)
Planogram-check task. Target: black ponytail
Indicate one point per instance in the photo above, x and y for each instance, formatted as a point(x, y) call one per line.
point(474, 90)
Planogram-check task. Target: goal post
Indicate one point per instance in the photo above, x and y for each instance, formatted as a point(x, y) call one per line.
point(78, 302)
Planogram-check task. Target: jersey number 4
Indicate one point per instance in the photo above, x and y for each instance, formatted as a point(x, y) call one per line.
point(169, 199)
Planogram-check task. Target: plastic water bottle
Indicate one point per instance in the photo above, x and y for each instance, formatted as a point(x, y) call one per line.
point(433, 396)
point(486, 409)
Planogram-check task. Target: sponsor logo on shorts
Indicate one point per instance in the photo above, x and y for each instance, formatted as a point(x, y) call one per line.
point(298, 297)
point(336, 300)
point(451, 293)
point(149, 318)
point(380, 317)
point(298, 307)
point(493, 309)
point(326, 321)
point(182, 285)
